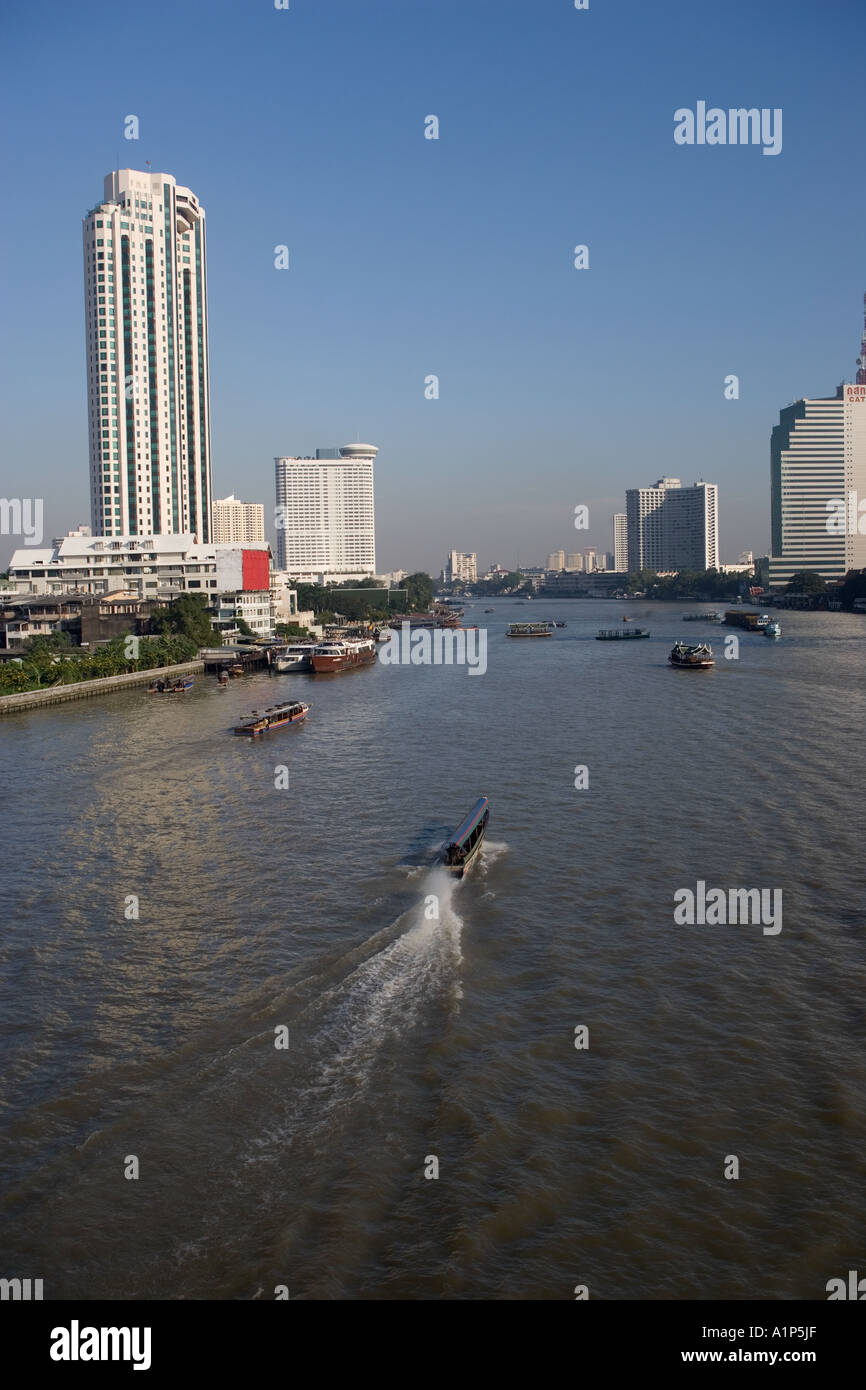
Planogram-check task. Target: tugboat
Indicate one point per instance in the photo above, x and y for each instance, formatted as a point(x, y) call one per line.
point(692, 658)
point(277, 717)
point(459, 851)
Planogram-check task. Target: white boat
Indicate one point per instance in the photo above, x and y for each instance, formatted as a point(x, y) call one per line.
point(773, 628)
point(297, 657)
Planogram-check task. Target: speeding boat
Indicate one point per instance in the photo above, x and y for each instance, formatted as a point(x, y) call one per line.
point(461, 848)
point(277, 717)
point(697, 657)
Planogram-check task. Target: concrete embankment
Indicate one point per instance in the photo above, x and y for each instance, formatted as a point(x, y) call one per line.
point(104, 685)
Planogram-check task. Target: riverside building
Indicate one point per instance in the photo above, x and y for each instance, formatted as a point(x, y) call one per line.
point(671, 527)
point(325, 517)
point(145, 286)
point(818, 457)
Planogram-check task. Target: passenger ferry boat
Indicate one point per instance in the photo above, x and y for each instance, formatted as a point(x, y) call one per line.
point(297, 657)
point(698, 657)
point(621, 634)
point(277, 717)
point(344, 655)
point(459, 851)
point(178, 687)
point(529, 630)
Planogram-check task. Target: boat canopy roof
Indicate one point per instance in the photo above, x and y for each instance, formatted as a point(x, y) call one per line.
point(466, 827)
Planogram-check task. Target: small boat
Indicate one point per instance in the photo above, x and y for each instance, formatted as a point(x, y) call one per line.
point(530, 630)
point(628, 620)
point(490, 610)
point(773, 628)
point(698, 657)
point(616, 634)
point(298, 657)
point(223, 679)
point(560, 624)
point(178, 687)
point(237, 669)
point(277, 717)
point(461, 848)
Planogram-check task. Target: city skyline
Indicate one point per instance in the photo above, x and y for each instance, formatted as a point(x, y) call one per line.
point(522, 429)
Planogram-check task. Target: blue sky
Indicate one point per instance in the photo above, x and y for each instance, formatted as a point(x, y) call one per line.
point(412, 257)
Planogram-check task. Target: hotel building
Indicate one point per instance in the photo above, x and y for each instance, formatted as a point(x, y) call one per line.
point(324, 515)
point(145, 284)
point(671, 527)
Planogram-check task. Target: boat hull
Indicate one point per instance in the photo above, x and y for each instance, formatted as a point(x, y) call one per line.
point(330, 665)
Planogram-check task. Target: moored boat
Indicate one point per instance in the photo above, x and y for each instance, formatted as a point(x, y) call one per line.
point(297, 657)
point(462, 846)
point(277, 717)
point(695, 657)
point(344, 655)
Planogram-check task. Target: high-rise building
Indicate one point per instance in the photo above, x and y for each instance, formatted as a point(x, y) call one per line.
point(671, 527)
point(461, 565)
point(590, 559)
point(238, 521)
point(324, 517)
point(817, 461)
point(620, 541)
point(145, 283)
point(556, 560)
point(574, 562)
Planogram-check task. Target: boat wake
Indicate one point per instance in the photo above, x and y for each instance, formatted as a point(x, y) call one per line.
point(347, 1035)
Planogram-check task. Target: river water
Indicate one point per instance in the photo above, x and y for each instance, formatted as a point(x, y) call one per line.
point(414, 1038)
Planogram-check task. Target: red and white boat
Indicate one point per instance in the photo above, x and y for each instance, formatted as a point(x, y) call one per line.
point(344, 655)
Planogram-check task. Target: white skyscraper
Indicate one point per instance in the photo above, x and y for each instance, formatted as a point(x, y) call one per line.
point(620, 541)
point(145, 277)
point(818, 457)
point(671, 527)
point(324, 517)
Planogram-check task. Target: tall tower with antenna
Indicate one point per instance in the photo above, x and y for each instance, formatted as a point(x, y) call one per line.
point(861, 360)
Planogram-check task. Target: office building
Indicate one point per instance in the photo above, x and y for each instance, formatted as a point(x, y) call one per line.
point(817, 470)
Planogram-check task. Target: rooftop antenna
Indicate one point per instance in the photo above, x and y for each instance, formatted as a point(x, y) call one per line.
point(861, 360)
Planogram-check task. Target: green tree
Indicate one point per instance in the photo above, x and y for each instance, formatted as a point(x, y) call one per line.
point(806, 582)
point(188, 616)
point(419, 591)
